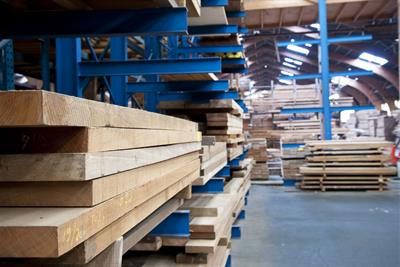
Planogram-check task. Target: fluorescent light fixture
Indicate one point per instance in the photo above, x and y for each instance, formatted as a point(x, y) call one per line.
point(286, 73)
point(308, 45)
point(265, 66)
point(373, 59)
point(285, 82)
point(315, 26)
point(294, 61)
point(298, 49)
point(292, 40)
point(289, 65)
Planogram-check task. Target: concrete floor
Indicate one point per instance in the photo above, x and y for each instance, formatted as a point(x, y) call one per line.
point(289, 228)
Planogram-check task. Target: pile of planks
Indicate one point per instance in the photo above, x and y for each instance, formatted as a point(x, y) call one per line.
point(229, 128)
point(258, 152)
point(221, 118)
point(76, 175)
point(211, 220)
point(347, 165)
point(243, 170)
point(213, 158)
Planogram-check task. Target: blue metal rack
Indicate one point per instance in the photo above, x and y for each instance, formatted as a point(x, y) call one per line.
point(325, 75)
point(6, 65)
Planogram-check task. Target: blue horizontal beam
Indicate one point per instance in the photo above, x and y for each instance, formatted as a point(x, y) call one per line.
point(214, 185)
point(243, 30)
point(148, 67)
point(213, 29)
point(236, 14)
point(291, 145)
point(331, 75)
point(176, 224)
point(224, 172)
point(198, 96)
point(333, 40)
point(210, 3)
point(355, 108)
point(319, 109)
point(300, 110)
point(242, 215)
point(161, 21)
point(236, 232)
point(189, 86)
point(233, 61)
point(210, 49)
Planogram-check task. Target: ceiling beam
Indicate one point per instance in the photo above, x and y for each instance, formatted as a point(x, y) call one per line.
point(271, 4)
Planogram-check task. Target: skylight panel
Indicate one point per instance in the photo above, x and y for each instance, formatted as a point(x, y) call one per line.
point(293, 61)
point(289, 65)
point(373, 59)
point(298, 49)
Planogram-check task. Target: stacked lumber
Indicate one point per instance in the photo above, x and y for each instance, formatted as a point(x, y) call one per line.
point(244, 168)
point(213, 158)
point(227, 127)
point(274, 162)
point(212, 217)
point(76, 175)
point(258, 152)
point(347, 165)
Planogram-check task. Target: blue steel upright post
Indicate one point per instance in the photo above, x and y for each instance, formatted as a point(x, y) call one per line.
point(119, 46)
point(324, 61)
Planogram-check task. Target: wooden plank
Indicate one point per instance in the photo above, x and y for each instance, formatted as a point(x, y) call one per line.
point(348, 145)
point(43, 108)
point(208, 140)
point(143, 228)
point(80, 139)
point(350, 158)
point(224, 131)
point(90, 193)
point(222, 105)
point(85, 166)
point(51, 232)
point(148, 243)
point(349, 170)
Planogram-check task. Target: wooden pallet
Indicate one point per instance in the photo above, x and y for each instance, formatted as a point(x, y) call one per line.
point(346, 165)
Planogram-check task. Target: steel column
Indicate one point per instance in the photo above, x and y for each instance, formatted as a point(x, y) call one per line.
point(45, 63)
point(119, 46)
point(68, 56)
point(6, 65)
point(324, 61)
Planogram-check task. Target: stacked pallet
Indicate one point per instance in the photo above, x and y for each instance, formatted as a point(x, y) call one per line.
point(212, 217)
point(258, 152)
point(76, 175)
point(229, 128)
point(347, 165)
point(213, 158)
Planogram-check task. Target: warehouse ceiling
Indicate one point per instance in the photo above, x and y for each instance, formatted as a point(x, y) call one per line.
point(271, 21)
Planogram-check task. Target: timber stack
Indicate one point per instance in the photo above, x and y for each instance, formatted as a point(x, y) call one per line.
point(258, 152)
point(77, 175)
point(213, 218)
point(347, 165)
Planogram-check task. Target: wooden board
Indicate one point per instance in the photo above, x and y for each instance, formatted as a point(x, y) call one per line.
point(43, 108)
point(349, 158)
point(224, 131)
point(90, 193)
point(85, 166)
point(347, 145)
point(51, 232)
point(81, 139)
point(210, 16)
point(349, 170)
point(214, 105)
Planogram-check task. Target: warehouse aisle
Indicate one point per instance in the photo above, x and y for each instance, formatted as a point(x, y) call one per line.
point(286, 228)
